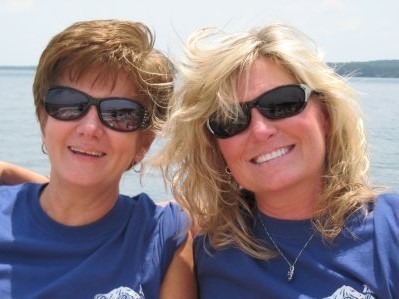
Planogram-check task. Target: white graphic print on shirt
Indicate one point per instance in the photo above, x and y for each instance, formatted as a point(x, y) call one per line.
point(346, 292)
point(122, 292)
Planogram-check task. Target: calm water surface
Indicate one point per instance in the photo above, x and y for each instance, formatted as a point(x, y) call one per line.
point(21, 143)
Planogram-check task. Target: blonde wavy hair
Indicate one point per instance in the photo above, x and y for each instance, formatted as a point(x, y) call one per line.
point(110, 46)
point(193, 163)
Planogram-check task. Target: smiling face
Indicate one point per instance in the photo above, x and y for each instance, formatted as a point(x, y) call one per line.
point(274, 156)
point(86, 153)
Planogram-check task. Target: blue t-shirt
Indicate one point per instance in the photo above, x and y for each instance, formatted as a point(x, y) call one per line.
point(363, 262)
point(126, 253)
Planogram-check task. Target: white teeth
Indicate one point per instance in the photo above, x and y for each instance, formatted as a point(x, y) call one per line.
point(89, 153)
point(273, 155)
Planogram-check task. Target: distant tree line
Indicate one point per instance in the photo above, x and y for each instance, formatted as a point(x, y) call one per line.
point(378, 68)
point(11, 67)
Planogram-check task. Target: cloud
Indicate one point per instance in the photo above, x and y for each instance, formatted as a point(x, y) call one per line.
point(16, 5)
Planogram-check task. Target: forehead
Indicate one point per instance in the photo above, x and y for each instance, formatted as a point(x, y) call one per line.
point(100, 84)
point(264, 74)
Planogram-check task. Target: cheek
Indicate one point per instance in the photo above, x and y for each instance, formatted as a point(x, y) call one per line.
point(128, 146)
point(56, 134)
point(43, 122)
point(48, 131)
point(316, 122)
point(321, 116)
point(231, 150)
point(224, 146)
point(317, 142)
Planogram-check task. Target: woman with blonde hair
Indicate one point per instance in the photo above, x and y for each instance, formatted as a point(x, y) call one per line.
point(268, 153)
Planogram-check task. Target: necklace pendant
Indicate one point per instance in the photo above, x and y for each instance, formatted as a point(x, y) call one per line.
point(290, 273)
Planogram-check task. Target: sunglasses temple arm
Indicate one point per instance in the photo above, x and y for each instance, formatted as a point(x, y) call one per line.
point(209, 127)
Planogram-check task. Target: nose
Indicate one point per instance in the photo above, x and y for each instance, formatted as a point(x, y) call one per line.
point(261, 127)
point(90, 124)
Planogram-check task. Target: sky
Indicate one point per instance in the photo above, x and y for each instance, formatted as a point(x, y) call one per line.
point(345, 30)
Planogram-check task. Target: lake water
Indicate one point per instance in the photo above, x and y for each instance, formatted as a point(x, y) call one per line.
point(20, 140)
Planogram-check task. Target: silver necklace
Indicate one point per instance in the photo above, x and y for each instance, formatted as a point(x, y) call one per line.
point(291, 269)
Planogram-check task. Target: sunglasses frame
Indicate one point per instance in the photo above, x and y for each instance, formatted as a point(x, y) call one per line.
point(92, 101)
point(247, 107)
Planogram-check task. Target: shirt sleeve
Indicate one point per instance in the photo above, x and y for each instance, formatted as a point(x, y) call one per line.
point(386, 224)
point(174, 226)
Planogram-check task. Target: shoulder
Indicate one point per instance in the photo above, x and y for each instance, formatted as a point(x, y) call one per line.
point(385, 220)
point(387, 205)
point(386, 237)
point(203, 248)
point(173, 218)
point(11, 193)
point(6, 190)
point(168, 217)
point(165, 211)
point(18, 197)
point(386, 211)
point(386, 200)
point(165, 227)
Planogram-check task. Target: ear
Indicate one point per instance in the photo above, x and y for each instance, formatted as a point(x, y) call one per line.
point(146, 141)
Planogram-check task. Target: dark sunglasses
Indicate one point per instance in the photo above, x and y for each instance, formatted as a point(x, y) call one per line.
point(119, 114)
point(277, 103)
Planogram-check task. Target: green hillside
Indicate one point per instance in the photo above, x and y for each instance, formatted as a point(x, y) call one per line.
point(378, 68)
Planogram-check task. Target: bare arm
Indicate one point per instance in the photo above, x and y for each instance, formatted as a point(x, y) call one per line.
point(180, 282)
point(11, 174)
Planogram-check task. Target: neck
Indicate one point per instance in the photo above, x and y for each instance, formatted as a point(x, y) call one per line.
point(294, 203)
point(75, 206)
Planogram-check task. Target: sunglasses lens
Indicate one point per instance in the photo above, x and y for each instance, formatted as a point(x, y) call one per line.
point(282, 102)
point(65, 104)
point(123, 114)
point(228, 128)
point(120, 114)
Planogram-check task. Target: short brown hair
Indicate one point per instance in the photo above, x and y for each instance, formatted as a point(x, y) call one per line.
point(110, 46)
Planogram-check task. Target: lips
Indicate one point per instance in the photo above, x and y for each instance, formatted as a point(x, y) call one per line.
point(272, 155)
point(80, 151)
